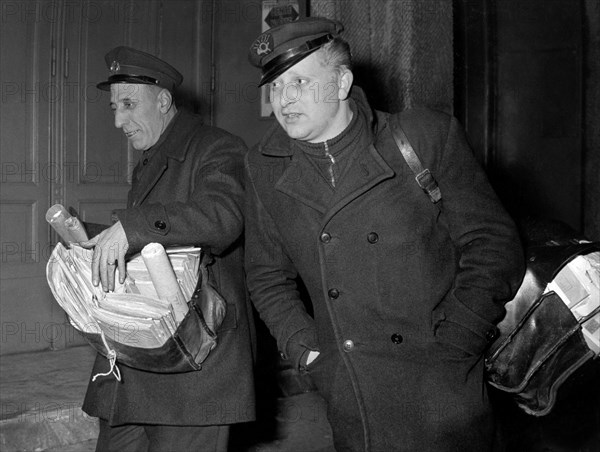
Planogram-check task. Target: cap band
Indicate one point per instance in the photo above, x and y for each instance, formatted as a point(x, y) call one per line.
point(288, 55)
point(131, 78)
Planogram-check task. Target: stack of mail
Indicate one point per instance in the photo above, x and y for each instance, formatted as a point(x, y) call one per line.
point(133, 314)
point(185, 262)
point(578, 286)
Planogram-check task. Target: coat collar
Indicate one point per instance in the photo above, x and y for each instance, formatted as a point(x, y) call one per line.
point(299, 181)
point(178, 134)
point(173, 144)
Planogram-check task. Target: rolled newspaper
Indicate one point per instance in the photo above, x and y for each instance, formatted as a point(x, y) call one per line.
point(164, 279)
point(76, 230)
point(69, 228)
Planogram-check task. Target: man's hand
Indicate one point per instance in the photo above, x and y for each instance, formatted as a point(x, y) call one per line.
point(110, 247)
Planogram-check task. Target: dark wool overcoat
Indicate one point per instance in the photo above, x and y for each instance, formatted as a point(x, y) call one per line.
point(405, 295)
point(189, 192)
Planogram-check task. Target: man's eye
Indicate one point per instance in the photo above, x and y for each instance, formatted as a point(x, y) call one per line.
point(301, 81)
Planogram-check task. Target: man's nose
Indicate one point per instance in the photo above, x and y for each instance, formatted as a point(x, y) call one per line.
point(290, 94)
point(120, 119)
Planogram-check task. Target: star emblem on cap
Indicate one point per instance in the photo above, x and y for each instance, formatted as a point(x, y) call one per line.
point(114, 67)
point(263, 44)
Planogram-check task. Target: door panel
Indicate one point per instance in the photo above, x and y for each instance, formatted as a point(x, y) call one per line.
point(91, 144)
point(29, 320)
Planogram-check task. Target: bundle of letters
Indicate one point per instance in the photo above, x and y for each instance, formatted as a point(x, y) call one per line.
point(142, 312)
point(578, 285)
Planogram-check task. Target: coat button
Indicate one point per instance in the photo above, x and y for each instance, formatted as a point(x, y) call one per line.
point(372, 237)
point(348, 345)
point(333, 293)
point(145, 162)
point(397, 338)
point(492, 334)
point(325, 237)
point(160, 224)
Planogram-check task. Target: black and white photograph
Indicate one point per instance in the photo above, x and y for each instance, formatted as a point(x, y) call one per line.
point(300, 225)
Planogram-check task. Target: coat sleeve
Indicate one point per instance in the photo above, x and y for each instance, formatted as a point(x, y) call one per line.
point(490, 263)
point(212, 216)
point(271, 279)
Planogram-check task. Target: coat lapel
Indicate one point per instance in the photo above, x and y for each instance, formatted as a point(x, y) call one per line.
point(366, 171)
point(170, 145)
point(149, 177)
point(301, 181)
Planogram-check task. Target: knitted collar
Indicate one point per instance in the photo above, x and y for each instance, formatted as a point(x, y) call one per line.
point(341, 142)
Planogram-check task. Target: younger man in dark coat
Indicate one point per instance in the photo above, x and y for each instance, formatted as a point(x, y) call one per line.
point(405, 293)
point(186, 190)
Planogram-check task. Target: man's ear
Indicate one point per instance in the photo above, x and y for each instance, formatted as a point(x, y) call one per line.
point(165, 100)
point(345, 83)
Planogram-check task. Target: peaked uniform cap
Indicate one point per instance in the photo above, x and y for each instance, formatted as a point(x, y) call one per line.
point(128, 65)
point(281, 47)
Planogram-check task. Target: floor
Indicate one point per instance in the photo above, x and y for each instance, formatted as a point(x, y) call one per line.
point(41, 395)
point(41, 398)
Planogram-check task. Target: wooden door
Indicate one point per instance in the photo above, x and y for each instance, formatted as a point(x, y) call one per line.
point(95, 155)
point(59, 143)
point(518, 92)
point(29, 321)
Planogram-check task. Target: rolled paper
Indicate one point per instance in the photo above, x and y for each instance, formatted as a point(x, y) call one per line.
point(57, 216)
point(76, 229)
point(164, 279)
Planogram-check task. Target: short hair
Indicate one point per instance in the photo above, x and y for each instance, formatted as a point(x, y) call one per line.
point(336, 53)
point(156, 90)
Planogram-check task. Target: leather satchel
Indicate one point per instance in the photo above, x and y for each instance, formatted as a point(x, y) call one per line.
point(541, 342)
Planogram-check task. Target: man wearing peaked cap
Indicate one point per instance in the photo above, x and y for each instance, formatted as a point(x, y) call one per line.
point(186, 190)
point(279, 48)
point(406, 293)
point(127, 65)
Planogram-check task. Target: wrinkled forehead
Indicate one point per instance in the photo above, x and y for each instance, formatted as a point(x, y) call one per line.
point(120, 91)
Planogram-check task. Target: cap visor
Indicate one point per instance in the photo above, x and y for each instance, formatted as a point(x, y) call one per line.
point(272, 74)
point(131, 79)
point(104, 86)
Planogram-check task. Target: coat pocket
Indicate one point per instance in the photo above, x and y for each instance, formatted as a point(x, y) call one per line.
point(458, 328)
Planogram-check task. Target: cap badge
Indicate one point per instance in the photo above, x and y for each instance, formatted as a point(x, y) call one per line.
point(114, 67)
point(263, 44)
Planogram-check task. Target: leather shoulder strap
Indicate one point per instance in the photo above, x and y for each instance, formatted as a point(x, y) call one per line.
point(422, 175)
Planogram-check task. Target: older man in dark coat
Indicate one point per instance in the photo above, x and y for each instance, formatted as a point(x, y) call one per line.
point(186, 190)
point(406, 293)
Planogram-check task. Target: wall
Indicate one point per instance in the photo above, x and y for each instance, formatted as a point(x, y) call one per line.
point(236, 96)
point(401, 49)
point(591, 96)
point(537, 160)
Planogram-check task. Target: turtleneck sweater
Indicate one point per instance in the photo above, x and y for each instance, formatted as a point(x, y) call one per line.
point(332, 157)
